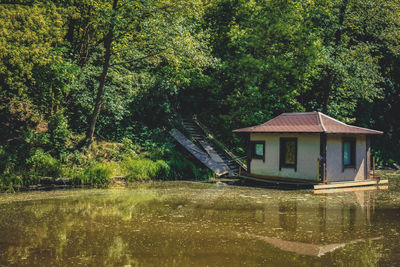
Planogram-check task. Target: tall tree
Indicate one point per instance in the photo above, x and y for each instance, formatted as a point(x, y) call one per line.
point(108, 39)
point(268, 53)
point(155, 31)
point(353, 33)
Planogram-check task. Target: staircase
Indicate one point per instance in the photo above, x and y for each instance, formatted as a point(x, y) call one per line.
point(216, 154)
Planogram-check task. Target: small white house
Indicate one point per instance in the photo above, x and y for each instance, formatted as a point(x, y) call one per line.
point(308, 147)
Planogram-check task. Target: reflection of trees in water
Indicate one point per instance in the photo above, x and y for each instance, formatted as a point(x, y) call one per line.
point(78, 226)
point(101, 229)
point(368, 253)
point(288, 215)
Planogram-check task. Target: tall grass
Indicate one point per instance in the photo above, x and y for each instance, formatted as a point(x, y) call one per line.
point(141, 169)
point(96, 174)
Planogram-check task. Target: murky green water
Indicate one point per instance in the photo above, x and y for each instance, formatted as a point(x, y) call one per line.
point(192, 224)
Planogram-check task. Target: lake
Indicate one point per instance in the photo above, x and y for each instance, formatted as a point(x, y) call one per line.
point(198, 224)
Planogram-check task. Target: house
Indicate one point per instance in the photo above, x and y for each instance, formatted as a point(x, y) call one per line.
point(308, 147)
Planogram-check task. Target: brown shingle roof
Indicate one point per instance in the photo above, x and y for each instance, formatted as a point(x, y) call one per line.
point(306, 122)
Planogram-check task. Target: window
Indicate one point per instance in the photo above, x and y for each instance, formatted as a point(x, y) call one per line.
point(258, 150)
point(349, 153)
point(288, 153)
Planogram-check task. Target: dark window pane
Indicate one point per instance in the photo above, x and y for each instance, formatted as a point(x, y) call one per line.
point(290, 152)
point(346, 153)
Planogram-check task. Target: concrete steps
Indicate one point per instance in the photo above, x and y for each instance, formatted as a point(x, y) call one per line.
point(210, 148)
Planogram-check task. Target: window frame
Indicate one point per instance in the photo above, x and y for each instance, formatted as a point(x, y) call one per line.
point(282, 152)
point(253, 150)
point(353, 148)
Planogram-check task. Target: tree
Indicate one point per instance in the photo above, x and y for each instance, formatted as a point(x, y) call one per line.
point(159, 32)
point(28, 37)
point(354, 33)
point(268, 52)
point(108, 39)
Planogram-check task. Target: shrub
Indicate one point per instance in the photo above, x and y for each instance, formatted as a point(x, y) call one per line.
point(5, 160)
point(43, 164)
point(59, 132)
point(182, 167)
point(127, 149)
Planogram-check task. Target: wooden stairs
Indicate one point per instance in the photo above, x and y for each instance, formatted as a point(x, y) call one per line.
point(219, 160)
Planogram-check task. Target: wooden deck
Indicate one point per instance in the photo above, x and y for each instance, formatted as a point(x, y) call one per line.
point(351, 189)
point(279, 181)
point(350, 184)
point(317, 186)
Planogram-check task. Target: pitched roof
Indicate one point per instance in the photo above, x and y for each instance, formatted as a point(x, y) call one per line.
point(305, 122)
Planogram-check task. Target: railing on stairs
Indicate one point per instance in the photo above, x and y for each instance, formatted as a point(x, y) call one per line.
point(234, 158)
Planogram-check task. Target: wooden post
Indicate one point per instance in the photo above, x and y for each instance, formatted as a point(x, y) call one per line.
point(373, 167)
point(318, 170)
point(240, 170)
point(324, 173)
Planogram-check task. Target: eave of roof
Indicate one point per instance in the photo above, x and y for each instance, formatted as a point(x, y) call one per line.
point(306, 122)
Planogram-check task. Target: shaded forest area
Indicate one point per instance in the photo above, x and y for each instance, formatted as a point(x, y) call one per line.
point(74, 73)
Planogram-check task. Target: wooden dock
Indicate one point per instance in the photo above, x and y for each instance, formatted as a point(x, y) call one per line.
point(350, 184)
point(280, 182)
point(319, 188)
point(351, 189)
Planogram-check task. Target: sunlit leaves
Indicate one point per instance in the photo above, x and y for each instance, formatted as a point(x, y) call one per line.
point(27, 37)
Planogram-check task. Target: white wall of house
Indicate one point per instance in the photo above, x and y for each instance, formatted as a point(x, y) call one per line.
point(308, 148)
point(334, 155)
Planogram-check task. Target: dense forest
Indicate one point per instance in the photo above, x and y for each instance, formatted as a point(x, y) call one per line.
point(90, 88)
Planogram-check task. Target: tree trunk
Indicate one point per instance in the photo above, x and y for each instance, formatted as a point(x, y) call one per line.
point(331, 73)
point(100, 91)
point(327, 91)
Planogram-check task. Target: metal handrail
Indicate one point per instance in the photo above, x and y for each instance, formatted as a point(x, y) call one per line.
point(224, 148)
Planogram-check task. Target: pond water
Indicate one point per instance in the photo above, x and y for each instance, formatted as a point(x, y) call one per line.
point(195, 224)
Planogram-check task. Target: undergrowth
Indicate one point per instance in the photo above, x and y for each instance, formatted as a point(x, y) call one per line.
point(100, 165)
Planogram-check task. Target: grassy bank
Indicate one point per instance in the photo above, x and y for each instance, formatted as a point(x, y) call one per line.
point(102, 164)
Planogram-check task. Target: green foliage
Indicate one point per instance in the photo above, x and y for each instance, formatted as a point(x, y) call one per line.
point(139, 169)
point(235, 63)
point(182, 168)
point(43, 164)
point(96, 174)
point(59, 132)
point(268, 56)
point(27, 38)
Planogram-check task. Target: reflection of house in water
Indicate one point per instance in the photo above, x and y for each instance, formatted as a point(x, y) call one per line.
point(288, 215)
point(309, 227)
point(304, 248)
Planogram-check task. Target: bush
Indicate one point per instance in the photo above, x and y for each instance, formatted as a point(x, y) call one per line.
point(43, 164)
point(6, 162)
point(182, 168)
point(145, 169)
point(127, 148)
point(59, 132)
